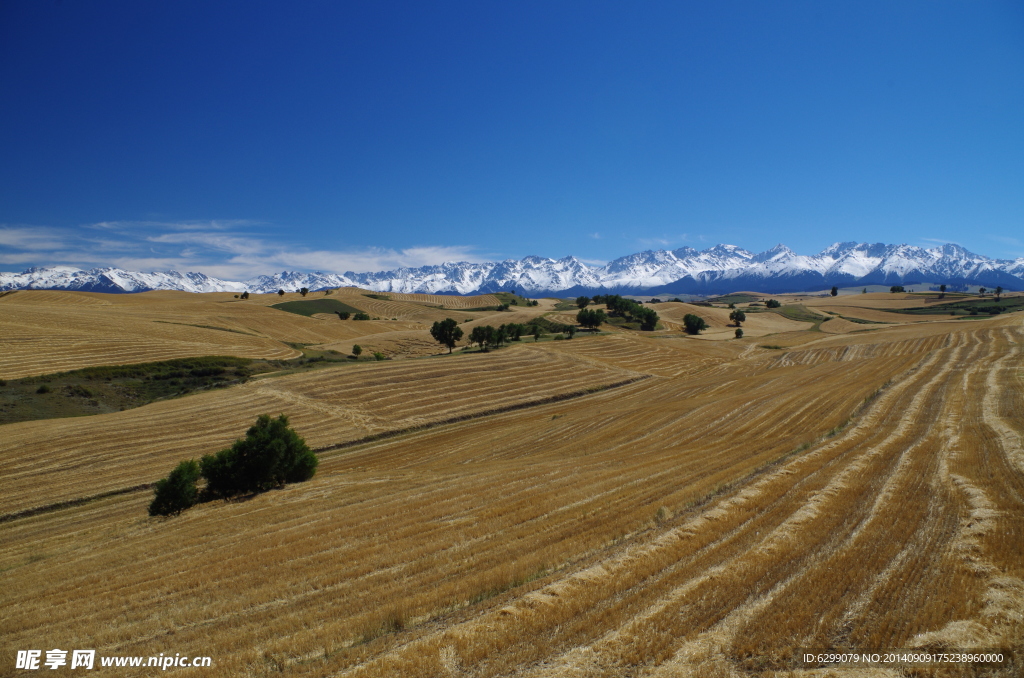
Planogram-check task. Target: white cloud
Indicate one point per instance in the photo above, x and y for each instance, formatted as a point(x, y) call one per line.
point(667, 241)
point(225, 249)
point(30, 238)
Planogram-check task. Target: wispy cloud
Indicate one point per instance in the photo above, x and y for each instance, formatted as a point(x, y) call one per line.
point(595, 236)
point(1013, 247)
point(667, 240)
point(227, 249)
point(939, 241)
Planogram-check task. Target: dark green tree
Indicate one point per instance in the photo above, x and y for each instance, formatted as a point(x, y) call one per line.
point(356, 350)
point(835, 291)
point(270, 455)
point(571, 331)
point(482, 335)
point(245, 295)
point(343, 315)
point(280, 293)
point(999, 292)
point(590, 318)
point(896, 288)
point(739, 333)
point(500, 336)
point(942, 291)
point(304, 291)
point(446, 332)
point(361, 316)
point(536, 333)
point(694, 323)
point(582, 301)
point(773, 303)
point(647, 316)
point(737, 317)
point(177, 491)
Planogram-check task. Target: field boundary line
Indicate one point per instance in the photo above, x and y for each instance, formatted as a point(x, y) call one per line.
point(478, 415)
point(71, 503)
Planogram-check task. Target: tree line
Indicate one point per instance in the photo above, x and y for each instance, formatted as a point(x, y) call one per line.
point(619, 307)
point(270, 455)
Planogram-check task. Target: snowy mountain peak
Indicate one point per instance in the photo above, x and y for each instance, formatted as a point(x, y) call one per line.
point(716, 270)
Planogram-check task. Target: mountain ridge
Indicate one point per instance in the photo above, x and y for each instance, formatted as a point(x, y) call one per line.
point(717, 270)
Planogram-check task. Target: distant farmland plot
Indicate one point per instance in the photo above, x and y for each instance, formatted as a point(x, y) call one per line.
point(707, 509)
point(308, 307)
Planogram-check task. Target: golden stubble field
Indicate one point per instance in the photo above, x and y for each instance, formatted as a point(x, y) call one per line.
point(619, 505)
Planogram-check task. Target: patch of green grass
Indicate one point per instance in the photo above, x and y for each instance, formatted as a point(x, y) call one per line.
point(512, 299)
point(988, 305)
point(379, 297)
point(773, 347)
point(308, 307)
point(801, 313)
point(566, 305)
point(859, 321)
point(733, 299)
point(111, 388)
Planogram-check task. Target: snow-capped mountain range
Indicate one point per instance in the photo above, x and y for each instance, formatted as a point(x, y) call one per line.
point(718, 270)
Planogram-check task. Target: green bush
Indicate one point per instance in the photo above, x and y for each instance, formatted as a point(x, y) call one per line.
point(270, 455)
point(694, 323)
point(43, 389)
point(773, 303)
point(361, 316)
point(177, 491)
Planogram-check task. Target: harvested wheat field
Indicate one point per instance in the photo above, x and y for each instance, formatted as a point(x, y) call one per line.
point(616, 505)
point(48, 331)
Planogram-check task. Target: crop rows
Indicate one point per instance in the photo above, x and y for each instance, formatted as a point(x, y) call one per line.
point(80, 457)
point(705, 521)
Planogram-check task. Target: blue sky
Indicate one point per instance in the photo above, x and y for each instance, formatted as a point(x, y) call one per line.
point(250, 137)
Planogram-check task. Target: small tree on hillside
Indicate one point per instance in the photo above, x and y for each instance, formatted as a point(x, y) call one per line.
point(177, 491)
point(536, 333)
point(245, 295)
point(981, 291)
point(590, 318)
point(648, 318)
point(571, 331)
point(304, 291)
point(835, 291)
point(280, 293)
point(270, 455)
point(942, 291)
point(357, 350)
point(343, 315)
point(773, 303)
point(446, 332)
point(694, 323)
point(482, 335)
point(737, 317)
point(896, 289)
point(582, 301)
point(999, 292)
point(739, 333)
